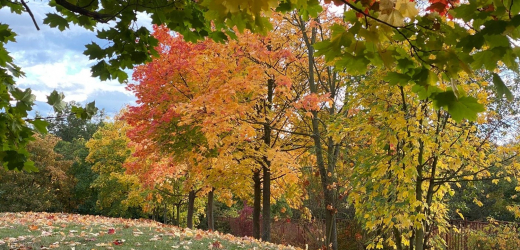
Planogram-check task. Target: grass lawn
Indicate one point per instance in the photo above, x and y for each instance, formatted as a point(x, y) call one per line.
point(24, 231)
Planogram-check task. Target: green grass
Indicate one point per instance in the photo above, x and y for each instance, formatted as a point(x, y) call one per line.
point(24, 231)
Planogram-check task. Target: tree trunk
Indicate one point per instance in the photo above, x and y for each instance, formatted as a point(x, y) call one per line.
point(256, 204)
point(419, 231)
point(165, 216)
point(330, 220)
point(191, 207)
point(266, 205)
point(209, 212)
point(331, 239)
point(266, 169)
point(178, 208)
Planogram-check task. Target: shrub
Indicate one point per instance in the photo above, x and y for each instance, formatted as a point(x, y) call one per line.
point(495, 237)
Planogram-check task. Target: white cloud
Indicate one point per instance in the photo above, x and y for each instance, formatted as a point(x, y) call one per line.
point(70, 74)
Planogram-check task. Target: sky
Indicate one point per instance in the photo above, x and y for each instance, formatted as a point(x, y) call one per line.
point(54, 60)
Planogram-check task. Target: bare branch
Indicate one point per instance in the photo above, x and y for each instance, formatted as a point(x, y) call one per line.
point(30, 13)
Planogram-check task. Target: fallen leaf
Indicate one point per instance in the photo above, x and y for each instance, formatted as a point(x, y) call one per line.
point(216, 244)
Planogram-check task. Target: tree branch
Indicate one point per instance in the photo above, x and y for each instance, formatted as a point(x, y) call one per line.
point(30, 13)
point(102, 18)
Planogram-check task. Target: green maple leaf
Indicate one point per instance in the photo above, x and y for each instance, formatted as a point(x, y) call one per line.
point(101, 70)
point(40, 125)
point(55, 20)
point(24, 96)
point(395, 78)
point(85, 113)
point(466, 107)
point(501, 88)
point(93, 51)
point(424, 91)
point(55, 99)
point(6, 34)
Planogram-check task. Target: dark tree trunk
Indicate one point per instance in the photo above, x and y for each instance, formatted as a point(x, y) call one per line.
point(209, 212)
point(178, 208)
point(257, 203)
point(266, 206)
point(191, 207)
point(266, 171)
point(165, 215)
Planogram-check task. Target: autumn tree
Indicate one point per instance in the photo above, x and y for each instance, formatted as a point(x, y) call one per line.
point(415, 153)
point(74, 132)
point(118, 192)
point(240, 123)
point(324, 96)
point(48, 190)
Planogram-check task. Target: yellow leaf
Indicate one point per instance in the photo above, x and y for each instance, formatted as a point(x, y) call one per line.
point(386, 5)
point(461, 216)
point(406, 8)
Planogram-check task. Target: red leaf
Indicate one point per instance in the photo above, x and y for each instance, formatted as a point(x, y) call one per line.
point(111, 231)
point(217, 244)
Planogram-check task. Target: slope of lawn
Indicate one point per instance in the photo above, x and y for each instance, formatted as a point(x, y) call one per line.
point(24, 231)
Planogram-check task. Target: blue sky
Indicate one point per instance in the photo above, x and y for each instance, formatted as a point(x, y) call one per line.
point(52, 59)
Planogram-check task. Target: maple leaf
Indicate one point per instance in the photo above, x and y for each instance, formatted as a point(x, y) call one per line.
point(406, 8)
point(394, 18)
point(216, 244)
point(118, 242)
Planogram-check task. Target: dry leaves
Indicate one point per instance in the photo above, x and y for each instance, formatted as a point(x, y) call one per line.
point(70, 231)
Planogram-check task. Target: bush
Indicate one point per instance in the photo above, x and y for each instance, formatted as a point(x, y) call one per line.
point(495, 237)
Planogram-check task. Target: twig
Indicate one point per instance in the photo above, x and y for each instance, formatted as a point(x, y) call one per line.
point(102, 18)
point(414, 47)
point(30, 13)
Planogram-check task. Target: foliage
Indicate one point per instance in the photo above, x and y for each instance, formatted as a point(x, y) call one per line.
point(495, 199)
point(48, 190)
point(17, 130)
point(494, 236)
point(118, 193)
point(387, 31)
point(412, 153)
point(74, 133)
point(211, 136)
point(68, 126)
point(422, 47)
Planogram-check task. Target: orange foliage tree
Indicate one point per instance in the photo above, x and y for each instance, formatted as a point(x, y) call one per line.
point(217, 113)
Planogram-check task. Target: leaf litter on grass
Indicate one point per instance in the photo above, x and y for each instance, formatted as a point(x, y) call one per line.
point(39, 231)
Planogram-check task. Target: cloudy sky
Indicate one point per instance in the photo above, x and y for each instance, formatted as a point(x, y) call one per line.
point(53, 59)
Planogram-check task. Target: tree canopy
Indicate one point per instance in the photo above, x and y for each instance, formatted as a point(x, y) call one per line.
point(422, 48)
